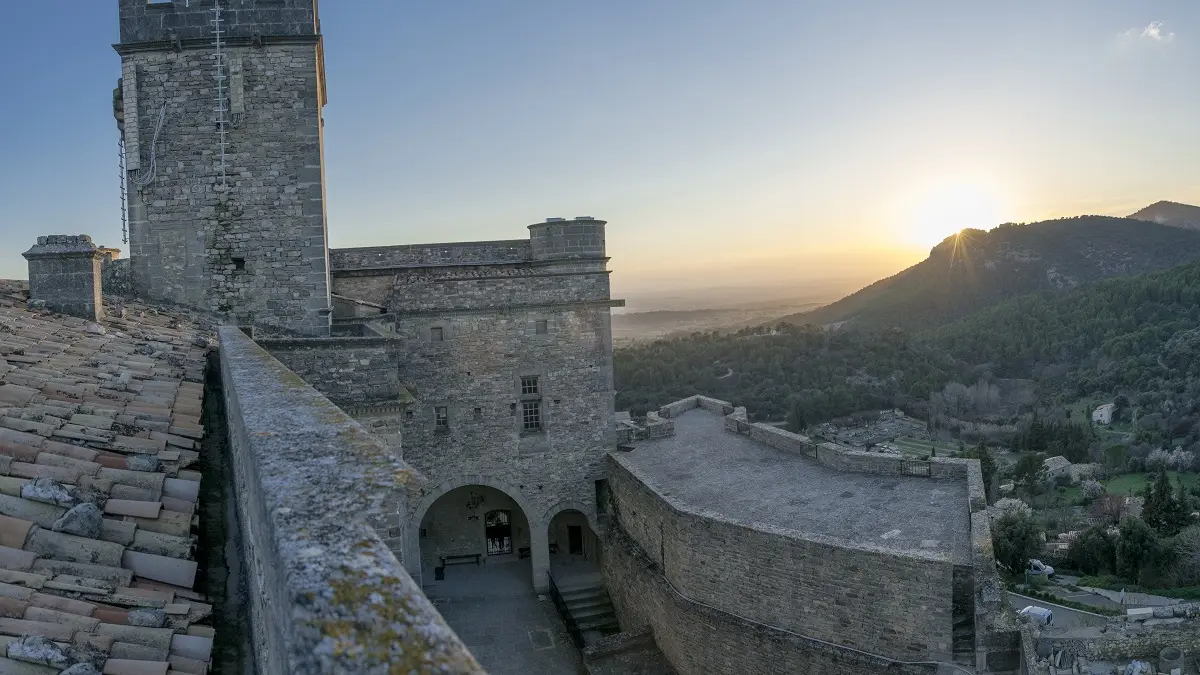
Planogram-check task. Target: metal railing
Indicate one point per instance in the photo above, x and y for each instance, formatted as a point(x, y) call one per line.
point(561, 605)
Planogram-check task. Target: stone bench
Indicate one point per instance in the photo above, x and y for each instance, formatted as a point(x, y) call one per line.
point(461, 559)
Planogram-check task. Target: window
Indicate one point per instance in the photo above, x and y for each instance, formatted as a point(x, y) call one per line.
point(541, 327)
point(479, 413)
point(529, 386)
point(436, 334)
point(441, 418)
point(239, 263)
point(531, 415)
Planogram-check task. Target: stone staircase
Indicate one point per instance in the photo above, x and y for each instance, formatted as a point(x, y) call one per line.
point(963, 617)
point(587, 606)
point(964, 640)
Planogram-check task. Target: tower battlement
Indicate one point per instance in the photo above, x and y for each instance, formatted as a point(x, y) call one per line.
point(145, 21)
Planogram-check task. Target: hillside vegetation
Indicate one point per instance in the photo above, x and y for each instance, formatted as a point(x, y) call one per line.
point(975, 269)
point(1134, 336)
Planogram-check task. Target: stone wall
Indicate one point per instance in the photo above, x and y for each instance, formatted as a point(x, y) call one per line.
point(115, 275)
point(455, 253)
point(697, 638)
point(252, 248)
point(349, 371)
point(325, 593)
point(897, 606)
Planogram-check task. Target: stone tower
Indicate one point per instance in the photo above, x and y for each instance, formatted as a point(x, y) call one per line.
point(222, 124)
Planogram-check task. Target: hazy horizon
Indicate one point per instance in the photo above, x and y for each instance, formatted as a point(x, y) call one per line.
point(748, 145)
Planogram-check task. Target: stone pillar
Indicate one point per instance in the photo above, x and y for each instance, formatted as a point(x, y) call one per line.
point(65, 275)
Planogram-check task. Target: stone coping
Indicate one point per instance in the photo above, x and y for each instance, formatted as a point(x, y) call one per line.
point(326, 594)
point(277, 344)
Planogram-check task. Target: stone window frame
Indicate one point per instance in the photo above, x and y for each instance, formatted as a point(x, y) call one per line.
point(441, 413)
point(538, 398)
point(427, 332)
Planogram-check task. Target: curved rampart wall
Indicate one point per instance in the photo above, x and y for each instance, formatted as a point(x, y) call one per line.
point(885, 603)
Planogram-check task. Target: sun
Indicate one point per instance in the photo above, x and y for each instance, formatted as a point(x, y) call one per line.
point(947, 208)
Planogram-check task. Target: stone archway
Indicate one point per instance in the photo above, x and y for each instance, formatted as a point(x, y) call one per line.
point(535, 539)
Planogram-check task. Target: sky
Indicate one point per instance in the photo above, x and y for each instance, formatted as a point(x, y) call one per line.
point(727, 143)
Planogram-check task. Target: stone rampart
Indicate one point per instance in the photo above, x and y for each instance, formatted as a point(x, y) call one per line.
point(430, 255)
point(698, 638)
point(325, 593)
point(877, 600)
point(347, 370)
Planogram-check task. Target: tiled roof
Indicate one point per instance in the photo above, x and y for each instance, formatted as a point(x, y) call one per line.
point(100, 430)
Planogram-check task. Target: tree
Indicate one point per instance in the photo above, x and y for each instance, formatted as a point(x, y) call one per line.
point(987, 466)
point(1094, 551)
point(1016, 538)
point(1187, 556)
point(1137, 549)
point(1029, 465)
point(1165, 509)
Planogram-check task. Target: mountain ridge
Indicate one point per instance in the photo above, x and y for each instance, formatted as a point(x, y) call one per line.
point(1171, 214)
point(974, 269)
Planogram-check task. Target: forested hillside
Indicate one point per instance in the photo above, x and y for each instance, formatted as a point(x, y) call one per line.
point(975, 269)
point(1136, 336)
point(767, 369)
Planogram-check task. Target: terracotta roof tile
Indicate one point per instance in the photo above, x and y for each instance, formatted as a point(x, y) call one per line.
point(116, 419)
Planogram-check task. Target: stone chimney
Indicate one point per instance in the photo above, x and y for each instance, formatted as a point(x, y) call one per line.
point(64, 275)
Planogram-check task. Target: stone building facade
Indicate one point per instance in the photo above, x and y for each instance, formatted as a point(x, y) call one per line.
point(504, 353)
point(224, 152)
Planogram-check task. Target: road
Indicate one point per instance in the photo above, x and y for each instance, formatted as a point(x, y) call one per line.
point(1064, 617)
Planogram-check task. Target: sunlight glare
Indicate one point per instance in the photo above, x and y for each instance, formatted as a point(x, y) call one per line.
point(949, 208)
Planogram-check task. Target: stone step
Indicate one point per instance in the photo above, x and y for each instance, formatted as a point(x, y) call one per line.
point(597, 622)
point(592, 612)
point(582, 594)
point(576, 606)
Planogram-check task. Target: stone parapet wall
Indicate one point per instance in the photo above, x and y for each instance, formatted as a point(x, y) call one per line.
point(311, 486)
point(852, 595)
point(421, 255)
point(347, 370)
point(143, 21)
point(702, 640)
point(833, 455)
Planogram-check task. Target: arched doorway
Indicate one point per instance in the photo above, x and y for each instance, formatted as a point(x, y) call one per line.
point(479, 557)
point(473, 525)
point(570, 536)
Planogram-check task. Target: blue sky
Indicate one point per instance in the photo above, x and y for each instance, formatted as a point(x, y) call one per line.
point(725, 142)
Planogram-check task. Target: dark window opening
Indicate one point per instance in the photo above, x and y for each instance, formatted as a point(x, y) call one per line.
point(602, 496)
point(441, 417)
point(436, 334)
point(479, 413)
point(529, 386)
point(531, 415)
point(239, 263)
point(541, 327)
point(497, 527)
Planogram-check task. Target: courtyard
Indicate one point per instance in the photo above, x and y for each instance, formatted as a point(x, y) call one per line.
point(509, 629)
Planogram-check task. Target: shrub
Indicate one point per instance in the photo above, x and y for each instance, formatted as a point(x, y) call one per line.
point(1094, 551)
point(1016, 538)
point(1011, 507)
point(1092, 489)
